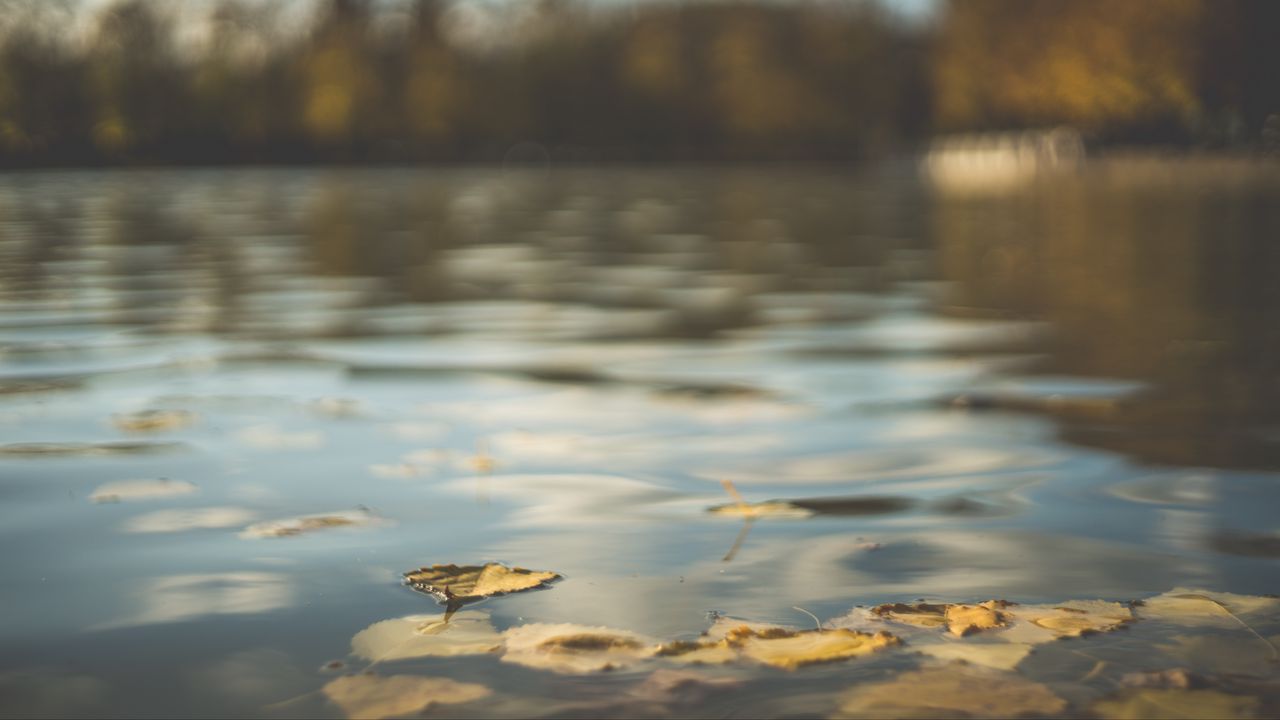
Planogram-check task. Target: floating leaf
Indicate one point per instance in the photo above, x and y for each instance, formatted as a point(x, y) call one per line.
point(163, 521)
point(1153, 704)
point(454, 583)
point(954, 690)
point(153, 420)
point(72, 449)
point(810, 647)
point(127, 490)
point(289, 527)
point(1193, 606)
point(959, 619)
point(374, 697)
point(964, 620)
point(574, 649)
point(741, 508)
point(777, 509)
point(270, 437)
point(730, 640)
point(998, 655)
point(464, 633)
point(1069, 619)
point(1175, 679)
point(920, 614)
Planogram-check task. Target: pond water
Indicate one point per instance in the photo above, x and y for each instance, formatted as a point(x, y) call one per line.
point(1068, 391)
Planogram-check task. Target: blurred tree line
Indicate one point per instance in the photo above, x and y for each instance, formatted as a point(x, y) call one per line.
point(450, 80)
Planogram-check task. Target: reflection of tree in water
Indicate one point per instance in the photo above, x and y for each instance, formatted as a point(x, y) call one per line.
point(1144, 273)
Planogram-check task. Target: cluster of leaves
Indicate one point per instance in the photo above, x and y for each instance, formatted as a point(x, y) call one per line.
point(970, 668)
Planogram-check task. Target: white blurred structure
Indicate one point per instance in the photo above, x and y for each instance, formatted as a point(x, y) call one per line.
point(998, 161)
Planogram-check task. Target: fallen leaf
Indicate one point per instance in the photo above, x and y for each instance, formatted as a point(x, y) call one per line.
point(574, 649)
point(153, 420)
point(729, 640)
point(289, 527)
point(1074, 618)
point(374, 697)
point(920, 614)
point(1194, 606)
point(954, 690)
point(959, 619)
point(964, 620)
point(681, 686)
point(741, 508)
point(163, 521)
point(997, 655)
point(454, 583)
point(464, 633)
point(1153, 704)
point(810, 647)
point(270, 437)
point(128, 490)
point(772, 508)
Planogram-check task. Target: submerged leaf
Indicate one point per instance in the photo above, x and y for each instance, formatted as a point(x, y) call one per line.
point(997, 655)
point(954, 690)
point(177, 520)
point(375, 697)
point(454, 583)
point(681, 686)
point(464, 633)
point(574, 649)
point(1153, 704)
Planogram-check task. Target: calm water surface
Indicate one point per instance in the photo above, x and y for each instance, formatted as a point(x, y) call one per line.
point(1066, 391)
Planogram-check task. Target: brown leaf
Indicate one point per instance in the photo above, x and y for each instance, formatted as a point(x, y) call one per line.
point(454, 583)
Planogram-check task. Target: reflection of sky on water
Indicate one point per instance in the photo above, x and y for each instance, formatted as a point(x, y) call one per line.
point(558, 375)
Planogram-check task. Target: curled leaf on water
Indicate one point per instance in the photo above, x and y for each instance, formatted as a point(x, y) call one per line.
point(457, 584)
point(741, 508)
point(955, 690)
point(288, 527)
point(575, 649)
point(1154, 704)
point(147, 421)
point(375, 697)
point(464, 633)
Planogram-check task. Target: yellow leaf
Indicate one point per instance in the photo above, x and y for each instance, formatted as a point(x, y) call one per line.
point(1069, 619)
point(289, 527)
point(456, 583)
point(967, 619)
point(374, 697)
point(954, 690)
point(464, 633)
point(1193, 606)
point(1153, 704)
point(776, 646)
